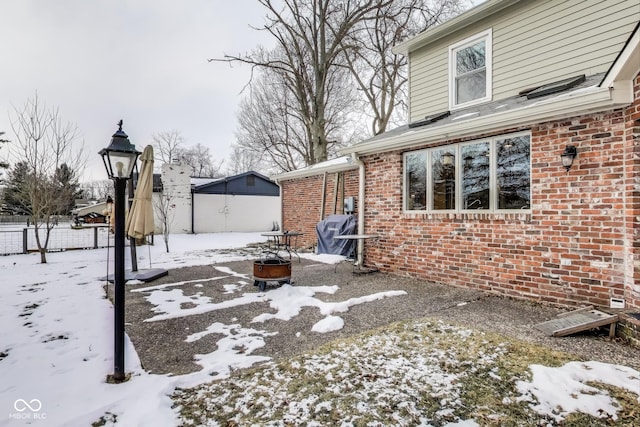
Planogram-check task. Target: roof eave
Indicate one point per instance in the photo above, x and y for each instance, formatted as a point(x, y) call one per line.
point(627, 65)
point(475, 14)
point(306, 172)
point(596, 99)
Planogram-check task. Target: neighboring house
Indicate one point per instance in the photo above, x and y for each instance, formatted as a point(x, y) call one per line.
point(473, 192)
point(94, 213)
point(247, 202)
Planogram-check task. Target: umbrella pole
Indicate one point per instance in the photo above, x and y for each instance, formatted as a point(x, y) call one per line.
point(132, 240)
point(149, 254)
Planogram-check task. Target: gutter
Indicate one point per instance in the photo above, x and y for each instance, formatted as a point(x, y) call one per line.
point(317, 169)
point(591, 99)
point(356, 160)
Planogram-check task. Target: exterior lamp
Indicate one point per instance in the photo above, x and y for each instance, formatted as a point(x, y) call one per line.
point(119, 158)
point(448, 158)
point(570, 153)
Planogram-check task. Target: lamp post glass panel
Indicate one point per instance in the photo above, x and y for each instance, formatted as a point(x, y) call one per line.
point(119, 159)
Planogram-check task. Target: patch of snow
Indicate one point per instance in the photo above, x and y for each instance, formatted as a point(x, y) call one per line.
point(56, 345)
point(557, 392)
point(328, 324)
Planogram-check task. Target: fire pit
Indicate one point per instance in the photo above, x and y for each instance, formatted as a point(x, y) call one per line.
point(271, 270)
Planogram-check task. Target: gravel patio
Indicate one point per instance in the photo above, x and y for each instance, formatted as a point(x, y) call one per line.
point(162, 346)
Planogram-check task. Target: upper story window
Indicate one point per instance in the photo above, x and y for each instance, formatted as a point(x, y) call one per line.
point(491, 175)
point(470, 71)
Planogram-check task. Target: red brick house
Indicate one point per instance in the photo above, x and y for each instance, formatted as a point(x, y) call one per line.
point(475, 191)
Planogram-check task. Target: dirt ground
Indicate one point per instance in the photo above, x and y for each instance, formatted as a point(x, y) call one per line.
point(162, 348)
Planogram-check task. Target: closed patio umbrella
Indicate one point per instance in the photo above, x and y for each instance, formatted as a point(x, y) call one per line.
point(140, 220)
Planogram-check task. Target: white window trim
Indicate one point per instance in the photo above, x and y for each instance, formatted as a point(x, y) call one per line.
point(488, 37)
point(493, 201)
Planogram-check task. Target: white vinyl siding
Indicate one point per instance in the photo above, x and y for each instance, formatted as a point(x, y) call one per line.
point(534, 42)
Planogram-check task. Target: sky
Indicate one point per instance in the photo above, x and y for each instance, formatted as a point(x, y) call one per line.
point(56, 343)
point(142, 61)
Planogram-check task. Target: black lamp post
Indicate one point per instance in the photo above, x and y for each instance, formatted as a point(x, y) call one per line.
point(119, 159)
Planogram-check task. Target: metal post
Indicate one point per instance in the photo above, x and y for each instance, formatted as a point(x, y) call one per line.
point(25, 241)
point(119, 296)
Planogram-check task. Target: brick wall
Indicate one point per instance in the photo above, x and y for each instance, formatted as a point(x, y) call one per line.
point(572, 249)
point(579, 245)
point(632, 183)
point(302, 201)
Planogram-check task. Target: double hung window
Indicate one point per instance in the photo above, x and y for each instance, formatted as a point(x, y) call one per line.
point(470, 71)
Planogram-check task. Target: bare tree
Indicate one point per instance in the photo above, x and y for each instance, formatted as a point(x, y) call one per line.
point(270, 128)
point(309, 56)
point(167, 146)
point(165, 208)
point(3, 164)
point(381, 75)
point(97, 190)
point(201, 162)
point(46, 145)
point(243, 160)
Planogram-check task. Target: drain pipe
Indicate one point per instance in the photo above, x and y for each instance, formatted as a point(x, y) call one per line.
point(360, 206)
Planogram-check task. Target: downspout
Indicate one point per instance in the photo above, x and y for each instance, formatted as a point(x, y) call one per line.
point(281, 227)
point(360, 207)
point(193, 208)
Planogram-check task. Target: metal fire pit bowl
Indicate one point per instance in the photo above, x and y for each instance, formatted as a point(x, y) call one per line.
point(271, 270)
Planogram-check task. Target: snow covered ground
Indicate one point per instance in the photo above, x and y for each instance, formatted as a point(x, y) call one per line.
point(56, 342)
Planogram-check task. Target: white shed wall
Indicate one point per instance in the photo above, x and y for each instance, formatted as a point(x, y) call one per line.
point(215, 213)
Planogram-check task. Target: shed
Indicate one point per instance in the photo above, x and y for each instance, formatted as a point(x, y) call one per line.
point(245, 184)
point(247, 202)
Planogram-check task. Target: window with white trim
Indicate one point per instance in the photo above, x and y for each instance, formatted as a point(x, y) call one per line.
point(470, 71)
point(491, 175)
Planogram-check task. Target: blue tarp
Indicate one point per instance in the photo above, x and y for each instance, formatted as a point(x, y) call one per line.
point(336, 225)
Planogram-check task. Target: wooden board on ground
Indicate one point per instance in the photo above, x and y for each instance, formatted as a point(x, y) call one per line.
point(577, 321)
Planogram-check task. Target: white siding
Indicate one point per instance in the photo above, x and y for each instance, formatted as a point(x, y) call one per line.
point(215, 213)
point(534, 42)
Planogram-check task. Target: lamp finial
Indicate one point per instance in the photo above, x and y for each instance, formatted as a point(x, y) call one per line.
point(120, 125)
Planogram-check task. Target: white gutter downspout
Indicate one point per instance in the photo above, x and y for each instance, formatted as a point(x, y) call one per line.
point(360, 206)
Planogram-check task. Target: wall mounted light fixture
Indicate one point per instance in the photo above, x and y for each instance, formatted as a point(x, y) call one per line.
point(570, 153)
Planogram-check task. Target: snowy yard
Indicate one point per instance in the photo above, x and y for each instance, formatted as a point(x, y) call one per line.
point(56, 350)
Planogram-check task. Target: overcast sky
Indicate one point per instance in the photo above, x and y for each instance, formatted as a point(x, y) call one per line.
point(143, 61)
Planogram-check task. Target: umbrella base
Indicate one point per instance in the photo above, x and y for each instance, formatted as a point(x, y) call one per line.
point(142, 275)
